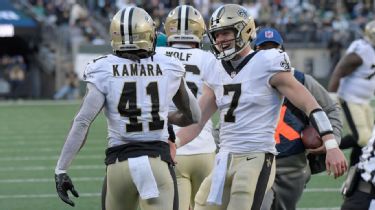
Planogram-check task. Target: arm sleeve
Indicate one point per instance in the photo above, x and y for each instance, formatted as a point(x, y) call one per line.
point(330, 107)
point(90, 108)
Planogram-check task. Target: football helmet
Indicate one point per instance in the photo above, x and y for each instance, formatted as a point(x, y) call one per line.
point(236, 18)
point(184, 24)
point(132, 28)
point(370, 32)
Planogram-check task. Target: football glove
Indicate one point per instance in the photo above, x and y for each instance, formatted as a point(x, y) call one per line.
point(63, 184)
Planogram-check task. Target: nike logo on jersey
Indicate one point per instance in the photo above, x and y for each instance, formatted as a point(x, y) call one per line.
point(250, 158)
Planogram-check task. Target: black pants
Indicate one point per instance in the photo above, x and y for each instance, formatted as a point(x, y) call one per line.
point(358, 201)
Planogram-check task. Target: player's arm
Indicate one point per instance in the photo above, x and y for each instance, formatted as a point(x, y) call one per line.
point(187, 105)
point(207, 104)
point(296, 93)
point(345, 66)
point(90, 108)
point(329, 106)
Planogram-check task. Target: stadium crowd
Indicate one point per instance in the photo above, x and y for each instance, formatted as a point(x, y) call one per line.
point(308, 23)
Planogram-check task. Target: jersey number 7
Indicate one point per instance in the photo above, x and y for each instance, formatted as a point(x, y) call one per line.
point(236, 88)
point(127, 107)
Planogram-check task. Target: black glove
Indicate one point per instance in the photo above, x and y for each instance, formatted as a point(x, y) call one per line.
point(63, 184)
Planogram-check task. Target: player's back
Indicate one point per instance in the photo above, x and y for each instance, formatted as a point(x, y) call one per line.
point(197, 63)
point(359, 86)
point(137, 95)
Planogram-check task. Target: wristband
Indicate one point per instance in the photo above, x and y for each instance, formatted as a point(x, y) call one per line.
point(177, 142)
point(331, 144)
point(320, 121)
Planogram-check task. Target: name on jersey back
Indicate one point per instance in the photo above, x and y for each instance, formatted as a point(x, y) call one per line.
point(136, 69)
point(179, 55)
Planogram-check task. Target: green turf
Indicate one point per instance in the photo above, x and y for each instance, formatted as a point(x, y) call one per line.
point(32, 134)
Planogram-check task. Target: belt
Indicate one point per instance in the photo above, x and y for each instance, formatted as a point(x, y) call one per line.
point(366, 187)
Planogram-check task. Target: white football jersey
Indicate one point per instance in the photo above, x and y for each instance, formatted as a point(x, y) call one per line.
point(367, 160)
point(359, 86)
point(137, 95)
point(196, 63)
point(249, 106)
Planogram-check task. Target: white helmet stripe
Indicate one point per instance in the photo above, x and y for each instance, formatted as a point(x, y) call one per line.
point(122, 26)
point(183, 19)
point(216, 13)
point(126, 24)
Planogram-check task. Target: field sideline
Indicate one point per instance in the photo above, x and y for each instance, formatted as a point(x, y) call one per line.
point(32, 134)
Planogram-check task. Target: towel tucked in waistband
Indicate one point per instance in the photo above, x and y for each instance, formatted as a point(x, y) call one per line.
point(143, 178)
point(218, 178)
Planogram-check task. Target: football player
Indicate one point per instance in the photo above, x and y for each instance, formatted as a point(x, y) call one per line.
point(185, 27)
point(354, 81)
point(292, 170)
point(246, 87)
point(135, 87)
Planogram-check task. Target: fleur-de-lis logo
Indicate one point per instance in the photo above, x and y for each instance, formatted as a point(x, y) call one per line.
point(285, 63)
point(242, 13)
point(269, 163)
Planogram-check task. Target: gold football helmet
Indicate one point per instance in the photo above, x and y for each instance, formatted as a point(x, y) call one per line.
point(184, 24)
point(370, 32)
point(236, 18)
point(132, 28)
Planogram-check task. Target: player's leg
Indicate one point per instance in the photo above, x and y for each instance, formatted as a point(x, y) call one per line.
point(203, 192)
point(202, 167)
point(360, 119)
point(165, 179)
point(183, 177)
point(268, 199)
point(253, 175)
point(122, 194)
point(104, 191)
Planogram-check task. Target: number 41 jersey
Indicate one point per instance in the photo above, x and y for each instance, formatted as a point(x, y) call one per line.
point(137, 95)
point(248, 105)
point(196, 63)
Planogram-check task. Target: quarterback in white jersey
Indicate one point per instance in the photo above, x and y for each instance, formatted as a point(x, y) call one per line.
point(354, 81)
point(195, 159)
point(247, 89)
point(135, 87)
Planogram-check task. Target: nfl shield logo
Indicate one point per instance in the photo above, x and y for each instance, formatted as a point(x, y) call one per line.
point(268, 34)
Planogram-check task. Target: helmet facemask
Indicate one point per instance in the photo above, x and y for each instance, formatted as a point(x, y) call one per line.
point(238, 43)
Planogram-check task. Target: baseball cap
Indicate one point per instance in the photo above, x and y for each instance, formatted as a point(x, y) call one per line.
point(268, 34)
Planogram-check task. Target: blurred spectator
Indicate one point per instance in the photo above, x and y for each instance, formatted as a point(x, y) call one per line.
point(334, 47)
point(16, 77)
point(70, 89)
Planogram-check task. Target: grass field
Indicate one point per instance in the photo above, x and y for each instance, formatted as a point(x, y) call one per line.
point(31, 137)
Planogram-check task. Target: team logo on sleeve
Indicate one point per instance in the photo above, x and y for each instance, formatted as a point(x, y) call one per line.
point(285, 64)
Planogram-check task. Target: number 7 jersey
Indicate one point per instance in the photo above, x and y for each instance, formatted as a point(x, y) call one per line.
point(248, 105)
point(137, 95)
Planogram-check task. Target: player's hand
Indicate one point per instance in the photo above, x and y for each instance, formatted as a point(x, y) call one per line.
point(336, 162)
point(63, 184)
point(317, 151)
point(172, 148)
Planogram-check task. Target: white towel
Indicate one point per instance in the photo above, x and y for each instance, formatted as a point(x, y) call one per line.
point(143, 178)
point(218, 178)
